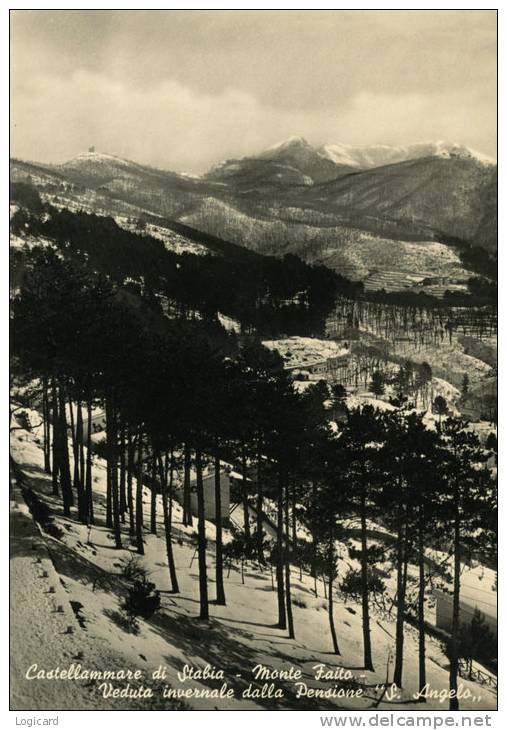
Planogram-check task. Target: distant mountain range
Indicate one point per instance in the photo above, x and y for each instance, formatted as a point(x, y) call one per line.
point(360, 210)
point(379, 155)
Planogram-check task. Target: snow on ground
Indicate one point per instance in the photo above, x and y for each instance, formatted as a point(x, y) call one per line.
point(303, 351)
point(173, 241)
point(238, 636)
point(448, 360)
point(39, 633)
point(361, 398)
point(17, 241)
point(110, 161)
point(367, 156)
point(93, 203)
point(45, 630)
point(229, 324)
point(446, 390)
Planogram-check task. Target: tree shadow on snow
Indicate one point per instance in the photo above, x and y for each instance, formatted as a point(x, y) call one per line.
point(216, 645)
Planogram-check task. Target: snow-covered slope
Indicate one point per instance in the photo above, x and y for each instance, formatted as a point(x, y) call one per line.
point(238, 637)
point(368, 156)
point(107, 162)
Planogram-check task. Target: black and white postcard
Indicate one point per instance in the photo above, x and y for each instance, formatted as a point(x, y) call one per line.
point(253, 361)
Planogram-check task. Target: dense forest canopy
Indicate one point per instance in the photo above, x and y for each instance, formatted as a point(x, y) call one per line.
point(265, 293)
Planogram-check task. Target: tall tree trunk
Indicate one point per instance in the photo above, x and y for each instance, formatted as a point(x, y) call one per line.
point(187, 508)
point(260, 508)
point(56, 439)
point(44, 423)
point(130, 475)
point(219, 561)
point(288, 601)
point(109, 490)
point(63, 455)
point(400, 603)
point(420, 611)
point(139, 495)
point(244, 495)
point(201, 537)
point(454, 653)
point(282, 623)
point(73, 436)
point(81, 497)
point(123, 474)
point(167, 502)
point(368, 661)
point(75, 455)
point(330, 603)
point(314, 565)
point(88, 480)
point(47, 426)
point(294, 521)
point(112, 455)
point(153, 495)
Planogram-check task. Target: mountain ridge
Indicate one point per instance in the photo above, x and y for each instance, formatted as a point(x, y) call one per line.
point(292, 199)
point(341, 154)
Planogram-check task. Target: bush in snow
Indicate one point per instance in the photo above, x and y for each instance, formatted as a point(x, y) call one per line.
point(351, 584)
point(374, 554)
point(131, 568)
point(143, 599)
point(23, 420)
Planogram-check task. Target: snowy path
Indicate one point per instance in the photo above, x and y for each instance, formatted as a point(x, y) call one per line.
point(40, 634)
point(44, 630)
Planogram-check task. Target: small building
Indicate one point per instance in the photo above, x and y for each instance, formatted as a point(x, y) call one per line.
point(98, 424)
point(208, 481)
point(98, 421)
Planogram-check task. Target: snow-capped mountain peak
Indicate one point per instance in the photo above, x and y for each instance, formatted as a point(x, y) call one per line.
point(369, 156)
point(288, 143)
point(99, 158)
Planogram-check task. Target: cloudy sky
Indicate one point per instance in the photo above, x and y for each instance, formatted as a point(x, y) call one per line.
point(184, 89)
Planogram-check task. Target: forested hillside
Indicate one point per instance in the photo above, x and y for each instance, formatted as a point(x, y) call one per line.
point(266, 294)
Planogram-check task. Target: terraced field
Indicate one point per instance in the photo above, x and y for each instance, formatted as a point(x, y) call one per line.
point(392, 280)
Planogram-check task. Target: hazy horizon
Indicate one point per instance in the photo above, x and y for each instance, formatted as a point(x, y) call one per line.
point(252, 153)
point(182, 90)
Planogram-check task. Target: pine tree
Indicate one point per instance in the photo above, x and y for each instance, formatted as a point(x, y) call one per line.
point(441, 408)
point(362, 437)
point(377, 383)
point(471, 495)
